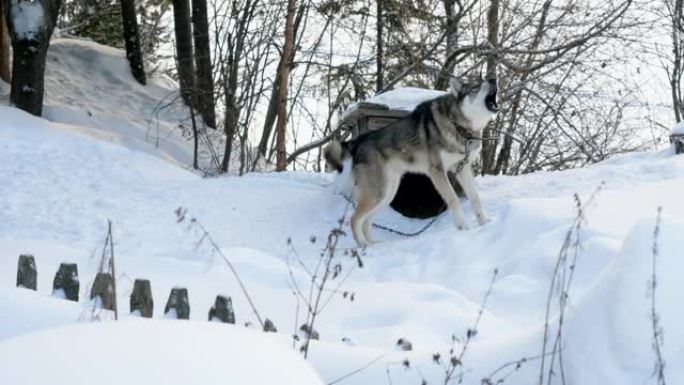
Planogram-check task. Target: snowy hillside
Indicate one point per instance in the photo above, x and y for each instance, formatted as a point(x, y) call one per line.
point(59, 187)
point(92, 160)
point(89, 89)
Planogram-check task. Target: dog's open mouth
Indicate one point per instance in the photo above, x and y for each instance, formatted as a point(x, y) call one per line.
point(490, 100)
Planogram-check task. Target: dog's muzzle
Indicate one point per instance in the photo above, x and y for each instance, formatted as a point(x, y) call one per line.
point(490, 100)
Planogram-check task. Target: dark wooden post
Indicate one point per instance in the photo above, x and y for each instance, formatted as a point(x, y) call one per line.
point(66, 280)
point(103, 287)
point(222, 310)
point(141, 298)
point(26, 272)
point(269, 327)
point(178, 301)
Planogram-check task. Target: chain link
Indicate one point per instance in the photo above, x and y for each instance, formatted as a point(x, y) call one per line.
point(399, 232)
point(462, 163)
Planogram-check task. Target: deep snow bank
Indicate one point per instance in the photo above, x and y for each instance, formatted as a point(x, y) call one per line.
point(152, 352)
point(58, 188)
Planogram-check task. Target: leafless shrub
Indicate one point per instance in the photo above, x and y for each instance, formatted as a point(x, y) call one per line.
point(194, 223)
point(454, 365)
point(657, 330)
point(327, 269)
point(360, 369)
point(559, 289)
point(106, 265)
point(206, 158)
point(502, 373)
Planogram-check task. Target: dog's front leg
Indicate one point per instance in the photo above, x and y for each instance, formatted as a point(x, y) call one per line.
point(443, 187)
point(467, 181)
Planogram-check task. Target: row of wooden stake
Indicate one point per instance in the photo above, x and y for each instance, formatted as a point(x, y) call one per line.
point(66, 284)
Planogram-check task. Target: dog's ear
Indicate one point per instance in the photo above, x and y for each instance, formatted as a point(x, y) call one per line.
point(455, 85)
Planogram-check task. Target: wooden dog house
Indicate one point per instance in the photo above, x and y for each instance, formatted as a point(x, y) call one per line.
point(416, 197)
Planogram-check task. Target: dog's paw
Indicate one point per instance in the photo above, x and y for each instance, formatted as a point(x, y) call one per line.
point(483, 219)
point(364, 243)
point(370, 242)
point(462, 225)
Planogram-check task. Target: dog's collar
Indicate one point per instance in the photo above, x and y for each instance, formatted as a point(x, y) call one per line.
point(466, 133)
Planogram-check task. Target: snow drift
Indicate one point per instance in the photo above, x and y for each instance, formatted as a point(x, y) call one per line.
point(152, 352)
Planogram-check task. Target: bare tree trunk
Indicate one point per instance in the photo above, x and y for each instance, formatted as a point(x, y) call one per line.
point(184, 63)
point(271, 113)
point(489, 146)
point(205, 83)
point(230, 66)
point(5, 67)
point(284, 71)
point(675, 76)
point(132, 40)
point(195, 136)
point(504, 156)
point(379, 46)
point(230, 116)
point(452, 20)
point(230, 127)
point(272, 110)
point(29, 46)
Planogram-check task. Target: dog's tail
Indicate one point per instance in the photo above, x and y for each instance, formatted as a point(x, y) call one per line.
point(335, 154)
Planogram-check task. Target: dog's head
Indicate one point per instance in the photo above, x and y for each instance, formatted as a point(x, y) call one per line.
point(477, 100)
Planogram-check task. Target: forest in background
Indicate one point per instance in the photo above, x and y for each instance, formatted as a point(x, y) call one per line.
point(580, 80)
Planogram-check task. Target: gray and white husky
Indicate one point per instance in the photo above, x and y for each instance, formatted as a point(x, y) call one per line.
point(440, 135)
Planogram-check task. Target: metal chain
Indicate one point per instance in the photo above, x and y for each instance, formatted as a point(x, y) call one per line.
point(399, 232)
point(462, 163)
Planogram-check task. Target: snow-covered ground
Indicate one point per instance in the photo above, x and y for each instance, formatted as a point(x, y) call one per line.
point(60, 184)
point(152, 352)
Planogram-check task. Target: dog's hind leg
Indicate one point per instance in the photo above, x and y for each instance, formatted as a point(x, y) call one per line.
point(444, 188)
point(366, 202)
point(467, 181)
point(389, 191)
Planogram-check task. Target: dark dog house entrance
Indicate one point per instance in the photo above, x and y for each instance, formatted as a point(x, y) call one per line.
point(416, 196)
